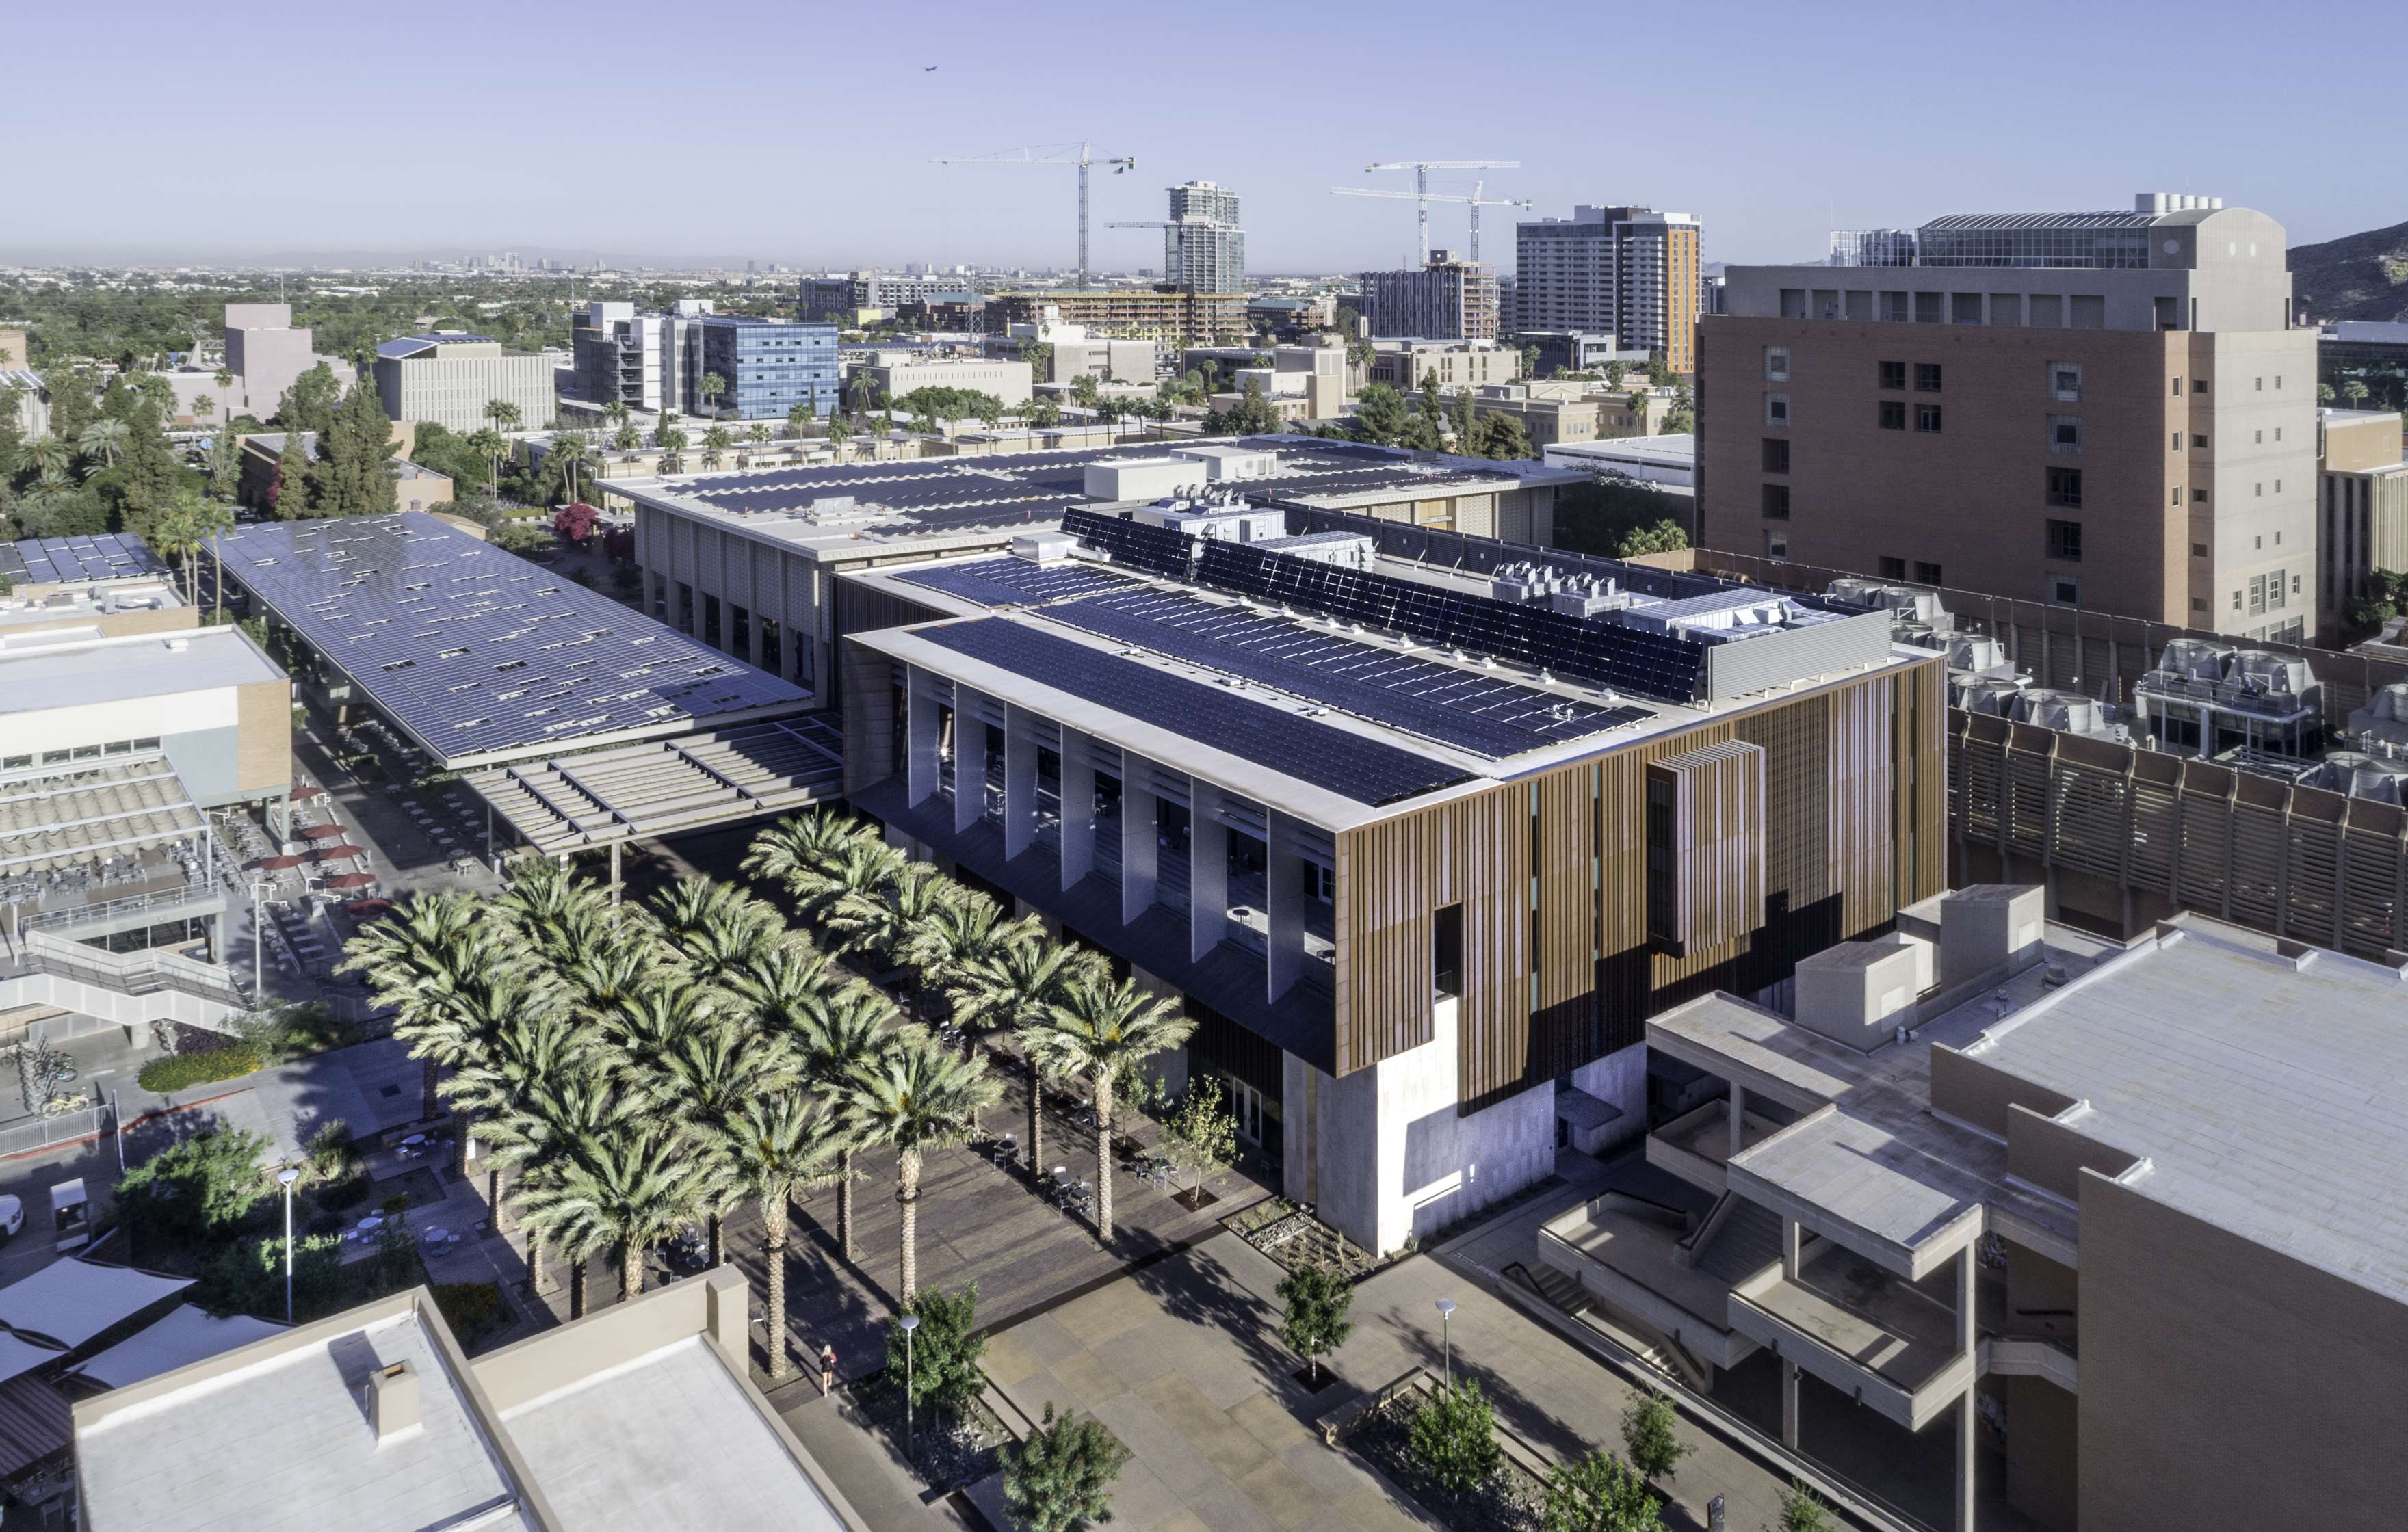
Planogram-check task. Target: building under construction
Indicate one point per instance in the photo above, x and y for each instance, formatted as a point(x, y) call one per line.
point(1165, 312)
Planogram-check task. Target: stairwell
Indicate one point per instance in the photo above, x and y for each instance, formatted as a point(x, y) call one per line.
point(125, 989)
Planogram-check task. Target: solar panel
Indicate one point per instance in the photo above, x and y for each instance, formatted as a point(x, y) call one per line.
point(476, 651)
point(1487, 716)
point(1365, 770)
point(63, 561)
point(1013, 582)
point(1156, 549)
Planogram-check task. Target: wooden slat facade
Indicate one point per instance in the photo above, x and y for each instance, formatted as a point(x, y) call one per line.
point(1552, 875)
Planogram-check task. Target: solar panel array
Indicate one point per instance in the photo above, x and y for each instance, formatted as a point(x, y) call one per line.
point(1018, 583)
point(1156, 549)
point(476, 651)
point(63, 561)
point(1454, 705)
point(1364, 771)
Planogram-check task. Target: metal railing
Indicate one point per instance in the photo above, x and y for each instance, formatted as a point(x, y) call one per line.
point(128, 973)
point(90, 914)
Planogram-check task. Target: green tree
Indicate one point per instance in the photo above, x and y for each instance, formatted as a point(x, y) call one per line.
point(1202, 1134)
point(207, 1183)
point(310, 404)
point(49, 455)
point(1649, 1435)
point(1102, 1032)
point(1454, 1436)
point(1039, 355)
point(798, 417)
point(1598, 1493)
point(1013, 988)
point(503, 415)
point(1254, 415)
point(839, 1038)
point(73, 405)
point(225, 463)
point(1313, 1323)
point(1380, 414)
point(715, 441)
point(204, 408)
point(106, 438)
point(2353, 393)
point(1060, 1479)
point(921, 1098)
point(288, 493)
point(1501, 437)
point(353, 475)
point(713, 386)
point(569, 450)
point(2324, 393)
point(224, 378)
point(1615, 372)
point(1682, 418)
point(1659, 370)
point(776, 1146)
point(840, 431)
point(945, 1350)
point(1802, 1510)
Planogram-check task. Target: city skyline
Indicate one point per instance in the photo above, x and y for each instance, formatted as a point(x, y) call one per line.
point(1769, 129)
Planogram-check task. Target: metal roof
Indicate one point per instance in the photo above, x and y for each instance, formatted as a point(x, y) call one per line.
point(413, 345)
point(478, 653)
point(2124, 219)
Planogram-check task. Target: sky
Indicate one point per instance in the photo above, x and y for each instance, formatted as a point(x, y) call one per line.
point(807, 134)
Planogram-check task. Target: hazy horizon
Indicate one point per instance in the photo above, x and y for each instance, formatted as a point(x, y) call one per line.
point(767, 134)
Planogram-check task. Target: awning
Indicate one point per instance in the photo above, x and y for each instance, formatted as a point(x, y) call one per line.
point(36, 1422)
point(85, 812)
point(667, 787)
point(70, 1301)
point(186, 1335)
point(337, 852)
point(309, 790)
point(368, 907)
point(20, 1355)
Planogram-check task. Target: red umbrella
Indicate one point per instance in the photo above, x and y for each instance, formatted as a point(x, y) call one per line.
point(336, 853)
point(321, 832)
point(368, 907)
point(309, 790)
point(351, 879)
point(277, 864)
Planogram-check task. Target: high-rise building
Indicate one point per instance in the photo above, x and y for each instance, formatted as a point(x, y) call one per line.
point(837, 296)
point(766, 367)
point(2090, 410)
point(1202, 247)
point(1628, 272)
point(1445, 300)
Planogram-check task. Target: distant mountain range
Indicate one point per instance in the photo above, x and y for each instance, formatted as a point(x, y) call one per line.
point(2358, 276)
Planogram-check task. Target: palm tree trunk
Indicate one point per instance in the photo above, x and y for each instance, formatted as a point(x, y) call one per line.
point(773, 1221)
point(631, 1271)
point(466, 1125)
point(493, 1193)
point(713, 1227)
point(844, 1203)
point(429, 1105)
point(576, 1287)
point(1104, 1158)
point(907, 1175)
point(534, 1264)
point(1035, 1118)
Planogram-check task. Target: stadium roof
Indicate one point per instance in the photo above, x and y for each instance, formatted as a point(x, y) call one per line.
point(479, 654)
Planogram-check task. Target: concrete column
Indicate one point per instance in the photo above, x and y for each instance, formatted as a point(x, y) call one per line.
point(969, 759)
point(1789, 1405)
point(1139, 858)
point(1968, 1443)
point(1208, 869)
point(1283, 903)
point(1019, 781)
point(1967, 1313)
point(614, 871)
point(921, 766)
point(1078, 807)
point(1792, 1241)
point(1738, 1119)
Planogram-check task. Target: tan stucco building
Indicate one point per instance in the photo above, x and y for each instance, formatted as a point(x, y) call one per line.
point(2362, 503)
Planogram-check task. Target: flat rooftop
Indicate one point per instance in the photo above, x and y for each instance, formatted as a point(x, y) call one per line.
point(834, 506)
point(69, 603)
point(75, 667)
point(78, 560)
point(479, 654)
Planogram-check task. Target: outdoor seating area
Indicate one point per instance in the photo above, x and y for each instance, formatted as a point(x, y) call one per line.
point(81, 839)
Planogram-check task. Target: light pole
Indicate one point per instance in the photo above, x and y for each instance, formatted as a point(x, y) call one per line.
point(910, 1436)
point(1447, 1335)
point(285, 1178)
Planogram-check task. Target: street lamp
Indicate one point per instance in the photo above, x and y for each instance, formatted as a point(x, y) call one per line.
point(285, 1178)
point(911, 1437)
point(1447, 1335)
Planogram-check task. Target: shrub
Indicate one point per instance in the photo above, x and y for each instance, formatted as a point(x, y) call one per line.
point(1315, 1322)
point(204, 1184)
point(1060, 1479)
point(1647, 1436)
point(1802, 1510)
point(248, 1277)
point(182, 1071)
point(1598, 1493)
point(944, 1351)
point(1454, 1436)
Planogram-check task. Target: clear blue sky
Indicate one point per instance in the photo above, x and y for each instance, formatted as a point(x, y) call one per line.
point(803, 133)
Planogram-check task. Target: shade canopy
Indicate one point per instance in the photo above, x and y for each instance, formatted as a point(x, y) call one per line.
point(186, 1335)
point(276, 864)
point(321, 832)
point(70, 1301)
point(368, 907)
point(309, 790)
point(351, 879)
point(336, 853)
point(21, 1355)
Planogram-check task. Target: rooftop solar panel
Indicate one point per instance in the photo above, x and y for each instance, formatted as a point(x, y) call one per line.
point(1330, 758)
point(1487, 716)
point(1012, 582)
point(63, 561)
point(477, 652)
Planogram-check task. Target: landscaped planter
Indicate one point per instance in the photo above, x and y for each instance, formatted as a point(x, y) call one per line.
point(955, 1449)
point(1377, 1427)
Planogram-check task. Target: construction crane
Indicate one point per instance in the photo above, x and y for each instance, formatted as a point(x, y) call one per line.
point(1421, 169)
point(1082, 155)
point(1475, 202)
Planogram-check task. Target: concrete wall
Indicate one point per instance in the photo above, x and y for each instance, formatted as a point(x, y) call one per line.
point(2225, 1384)
point(454, 391)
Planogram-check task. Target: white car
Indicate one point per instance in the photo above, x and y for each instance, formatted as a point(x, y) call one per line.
point(12, 1217)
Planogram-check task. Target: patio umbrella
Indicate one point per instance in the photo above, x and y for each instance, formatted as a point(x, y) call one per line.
point(368, 907)
point(309, 790)
point(336, 853)
point(351, 879)
point(277, 864)
point(321, 832)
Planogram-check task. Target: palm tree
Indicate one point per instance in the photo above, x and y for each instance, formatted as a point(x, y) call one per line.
point(797, 416)
point(922, 1097)
point(713, 386)
point(802, 848)
point(883, 921)
point(775, 1146)
point(626, 438)
point(615, 413)
point(840, 1038)
point(417, 960)
point(759, 431)
point(1013, 989)
point(533, 1045)
point(671, 441)
point(555, 1124)
point(1099, 1031)
point(716, 440)
point(707, 1082)
point(866, 870)
point(715, 928)
point(490, 445)
point(504, 414)
point(840, 430)
point(946, 948)
point(627, 1192)
point(204, 408)
point(656, 1021)
point(49, 456)
point(568, 450)
point(224, 378)
point(104, 438)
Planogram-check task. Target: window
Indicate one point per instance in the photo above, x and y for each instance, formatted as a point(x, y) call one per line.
point(2260, 439)
point(2198, 385)
point(2199, 440)
point(2274, 590)
point(2177, 388)
point(2065, 541)
point(1776, 501)
point(2261, 385)
point(1776, 363)
point(2258, 490)
point(1891, 569)
point(2199, 603)
point(2176, 444)
point(2177, 499)
point(2198, 549)
point(2065, 488)
point(2198, 497)
point(1893, 375)
point(2064, 590)
point(1776, 543)
point(2278, 433)
point(1776, 412)
point(1447, 951)
point(1926, 417)
point(1892, 414)
point(1776, 454)
point(1927, 376)
point(2065, 381)
point(2065, 435)
point(1926, 309)
point(1927, 574)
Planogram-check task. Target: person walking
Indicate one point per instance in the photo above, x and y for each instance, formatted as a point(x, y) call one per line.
point(827, 1370)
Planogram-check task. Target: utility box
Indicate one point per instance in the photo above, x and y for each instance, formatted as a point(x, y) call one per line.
point(1990, 925)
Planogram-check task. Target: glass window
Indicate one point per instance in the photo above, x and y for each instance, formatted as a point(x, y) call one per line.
point(2275, 589)
point(1892, 414)
point(1893, 375)
point(1776, 502)
point(2065, 589)
point(2065, 540)
point(1776, 411)
point(1927, 574)
point(1446, 950)
point(1927, 376)
point(1776, 543)
point(2065, 381)
point(1776, 363)
point(2065, 435)
point(2065, 487)
point(1776, 454)
point(1926, 417)
point(1891, 569)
